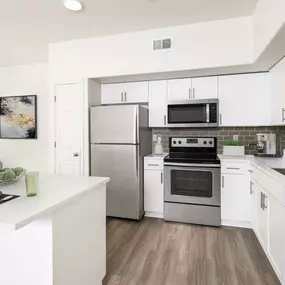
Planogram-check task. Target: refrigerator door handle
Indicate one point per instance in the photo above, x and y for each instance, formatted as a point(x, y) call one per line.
point(135, 126)
point(137, 161)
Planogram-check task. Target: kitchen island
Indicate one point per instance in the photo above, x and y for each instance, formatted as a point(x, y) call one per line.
point(57, 237)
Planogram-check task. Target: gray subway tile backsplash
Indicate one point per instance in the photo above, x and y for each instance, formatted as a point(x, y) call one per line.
point(248, 134)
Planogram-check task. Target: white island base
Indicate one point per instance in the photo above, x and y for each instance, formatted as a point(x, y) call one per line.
point(57, 237)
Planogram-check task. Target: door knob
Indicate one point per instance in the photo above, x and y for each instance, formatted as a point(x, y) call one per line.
point(76, 154)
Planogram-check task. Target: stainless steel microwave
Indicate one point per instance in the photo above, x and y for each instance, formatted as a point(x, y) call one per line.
point(193, 113)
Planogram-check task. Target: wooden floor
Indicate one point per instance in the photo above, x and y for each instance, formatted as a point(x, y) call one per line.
point(153, 252)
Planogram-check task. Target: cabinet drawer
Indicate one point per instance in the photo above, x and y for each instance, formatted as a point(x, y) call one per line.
point(153, 164)
point(234, 168)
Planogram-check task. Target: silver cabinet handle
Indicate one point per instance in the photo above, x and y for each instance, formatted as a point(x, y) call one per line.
point(153, 164)
point(261, 200)
point(220, 119)
point(125, 96)
point(233, 168)
point(283, 118)
point(223, 181)
point(264, 200)
point(193, 93)
point(122, 96)
point(251, 188)
point(76, 154)
point(165, 120)
point(190, 91)
point(161, 178)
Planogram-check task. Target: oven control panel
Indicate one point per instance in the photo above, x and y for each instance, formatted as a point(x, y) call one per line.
point(192, 142)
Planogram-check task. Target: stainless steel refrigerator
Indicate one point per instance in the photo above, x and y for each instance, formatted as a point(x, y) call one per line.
point(120, 138)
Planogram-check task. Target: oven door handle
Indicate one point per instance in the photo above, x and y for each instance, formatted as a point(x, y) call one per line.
point(192, 164)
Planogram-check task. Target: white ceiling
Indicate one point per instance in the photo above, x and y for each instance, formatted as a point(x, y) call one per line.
point(27, 26)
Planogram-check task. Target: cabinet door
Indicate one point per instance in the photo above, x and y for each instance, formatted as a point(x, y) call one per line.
point(205, 88)
point(112, 93)
point(244, 100)
point(136, 92)
point(276, 236)
point(157, 103)
point(253, 206)
point(261, 217)
point(277, 84)
point(153, 191)
point(235, 198)
point(179, 89)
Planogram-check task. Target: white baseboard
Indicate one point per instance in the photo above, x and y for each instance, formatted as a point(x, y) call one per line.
point(238, 224)
point(154, 215)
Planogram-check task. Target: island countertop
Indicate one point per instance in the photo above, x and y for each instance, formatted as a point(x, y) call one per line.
point(54, 191)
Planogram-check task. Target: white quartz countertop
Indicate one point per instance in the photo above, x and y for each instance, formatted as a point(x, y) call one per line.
point(266, 164)
point(54, 191)
point(157, 156)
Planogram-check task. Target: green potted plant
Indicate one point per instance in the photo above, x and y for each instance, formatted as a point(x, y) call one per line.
point(234, 148)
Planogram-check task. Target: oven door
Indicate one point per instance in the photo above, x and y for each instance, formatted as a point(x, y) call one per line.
point(199, 185)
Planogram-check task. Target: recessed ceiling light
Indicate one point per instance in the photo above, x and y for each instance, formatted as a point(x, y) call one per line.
point(73, 5)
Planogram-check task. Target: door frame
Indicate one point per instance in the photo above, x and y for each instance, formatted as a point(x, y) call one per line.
point(84, 114)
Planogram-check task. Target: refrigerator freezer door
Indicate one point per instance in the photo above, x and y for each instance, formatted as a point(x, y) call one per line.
point(121, 164)
point(114, 124)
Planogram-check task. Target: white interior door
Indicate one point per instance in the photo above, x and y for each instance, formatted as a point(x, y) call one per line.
point(68, 126)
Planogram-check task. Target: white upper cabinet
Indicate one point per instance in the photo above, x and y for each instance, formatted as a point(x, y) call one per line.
point(179, 89)
point(205, 88)
point(112, 93)
point(244, 100)
point(277, 85)
point(192, 88)
point(121, 93)
point(136, 92)
point(157, 103)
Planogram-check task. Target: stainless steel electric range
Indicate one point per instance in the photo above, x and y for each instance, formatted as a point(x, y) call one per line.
point(192, 191)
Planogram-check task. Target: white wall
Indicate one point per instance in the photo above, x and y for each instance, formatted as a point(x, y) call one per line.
point(268, 19)
point(197, 46)
point(29, 80)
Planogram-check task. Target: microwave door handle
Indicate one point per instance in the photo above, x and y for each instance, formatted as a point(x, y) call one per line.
point(208, 113)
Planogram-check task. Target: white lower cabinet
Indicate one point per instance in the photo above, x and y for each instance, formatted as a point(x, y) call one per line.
point(153, 192)
point(268, 216)
point(153, 187)
point(261, 216)
point(235, 200)
point(276, 236)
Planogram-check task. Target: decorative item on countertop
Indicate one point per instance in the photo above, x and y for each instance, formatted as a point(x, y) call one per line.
point(234, 148)
point(31, 179)
point(11, 175)
point(158, 147)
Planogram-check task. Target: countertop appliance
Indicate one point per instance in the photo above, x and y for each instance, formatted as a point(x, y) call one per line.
point(120, 138)
point(158, 147)
point(192, 191)
point(266, 145)
point(193, 113)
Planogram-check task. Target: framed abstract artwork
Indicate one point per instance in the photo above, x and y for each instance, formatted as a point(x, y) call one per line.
point(18, 117)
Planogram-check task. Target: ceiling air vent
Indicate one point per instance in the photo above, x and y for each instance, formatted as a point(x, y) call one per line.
point(162, 44)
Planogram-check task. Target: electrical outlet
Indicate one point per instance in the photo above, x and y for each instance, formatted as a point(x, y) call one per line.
point(154, 138)
point(235, 137)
